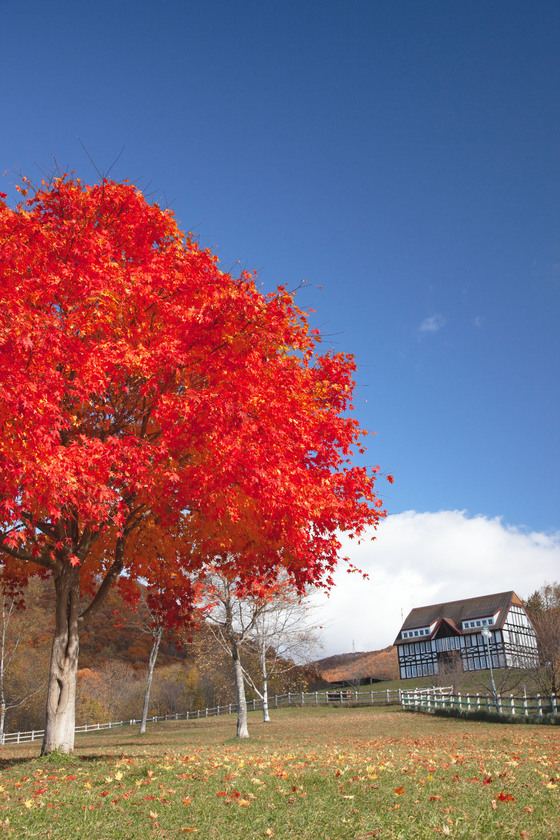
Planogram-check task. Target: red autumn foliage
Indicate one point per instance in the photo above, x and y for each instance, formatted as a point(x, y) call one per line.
point(156, 412)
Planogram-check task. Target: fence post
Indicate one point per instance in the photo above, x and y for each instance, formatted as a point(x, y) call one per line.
point(539, 705)
point(316, 699)
point(275, 701)
point(302, 699)
point(512, 704)
point(477, 701)
point(525, 705)
point(289, 699)
point(553, 705)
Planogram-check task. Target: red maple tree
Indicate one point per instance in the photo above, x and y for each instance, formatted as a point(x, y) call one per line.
point(143, 388)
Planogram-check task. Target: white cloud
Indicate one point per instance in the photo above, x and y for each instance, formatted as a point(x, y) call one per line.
point(428, 558)
point(432, 324)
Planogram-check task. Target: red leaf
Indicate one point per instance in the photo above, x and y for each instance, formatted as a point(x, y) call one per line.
point(505, 797)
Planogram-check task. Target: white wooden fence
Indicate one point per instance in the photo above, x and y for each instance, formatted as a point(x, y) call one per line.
point(332, 696)
point(539, 707)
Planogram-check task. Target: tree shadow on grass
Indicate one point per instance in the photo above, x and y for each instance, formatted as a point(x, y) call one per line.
point(8, 763)
point(69, 761)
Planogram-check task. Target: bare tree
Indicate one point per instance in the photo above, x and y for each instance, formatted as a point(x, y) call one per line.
point(19, 691)
point(165, 605)
point(284, 637)
point(543, 607)
point(232, 620)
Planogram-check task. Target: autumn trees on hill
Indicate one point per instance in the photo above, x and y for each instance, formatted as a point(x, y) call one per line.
point(155, 410)
point(192, 671)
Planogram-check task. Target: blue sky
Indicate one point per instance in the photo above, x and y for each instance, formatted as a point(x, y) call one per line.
point(401, 157)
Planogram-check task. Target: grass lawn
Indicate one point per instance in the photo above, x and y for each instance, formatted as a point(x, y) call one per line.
point(312, 774)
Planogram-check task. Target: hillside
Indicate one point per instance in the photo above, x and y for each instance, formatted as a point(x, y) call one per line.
point(192, 670)
point(360, 667)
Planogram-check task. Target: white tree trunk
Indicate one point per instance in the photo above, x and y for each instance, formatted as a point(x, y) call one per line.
point(6, 615)
point(242, 729)
point(266, 714)
point(61, 695)
point(158, 633)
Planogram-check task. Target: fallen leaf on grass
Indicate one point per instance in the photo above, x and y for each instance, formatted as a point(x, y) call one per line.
point(505, 797)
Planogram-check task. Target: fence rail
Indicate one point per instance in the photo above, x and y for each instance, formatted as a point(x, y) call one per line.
point(539, 707)
point(342, 696)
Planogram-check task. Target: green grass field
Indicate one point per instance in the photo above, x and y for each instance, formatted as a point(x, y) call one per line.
point(321, 774)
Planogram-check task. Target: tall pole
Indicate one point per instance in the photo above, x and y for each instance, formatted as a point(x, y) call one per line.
point(487, 635)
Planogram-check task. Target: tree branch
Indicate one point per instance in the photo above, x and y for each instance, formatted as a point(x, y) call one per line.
point(112, 574)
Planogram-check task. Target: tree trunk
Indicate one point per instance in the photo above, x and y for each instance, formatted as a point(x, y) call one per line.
point(242, 730)
point(5, 620)
point(266, 715)
point(61, 695)
point(158, 633)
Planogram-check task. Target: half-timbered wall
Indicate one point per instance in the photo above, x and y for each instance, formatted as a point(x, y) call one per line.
point(520, 641)
point(514, 646)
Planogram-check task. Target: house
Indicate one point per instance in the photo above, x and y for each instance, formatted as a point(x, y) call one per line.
point(433, 638)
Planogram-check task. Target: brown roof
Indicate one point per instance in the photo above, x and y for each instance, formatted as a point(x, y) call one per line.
point(455, 612)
